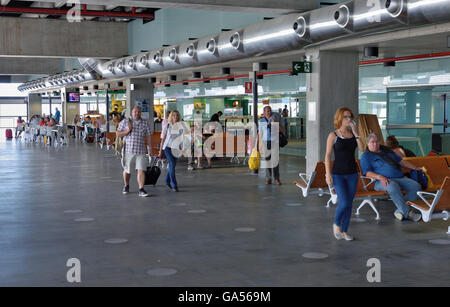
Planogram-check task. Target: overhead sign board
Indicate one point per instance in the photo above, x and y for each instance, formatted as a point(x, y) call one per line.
point(302, 67)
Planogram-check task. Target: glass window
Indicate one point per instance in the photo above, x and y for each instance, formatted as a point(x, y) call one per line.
point(10, 90)
point(13, 109)
point(409, 106)
point(83, 108)
point(45, 109)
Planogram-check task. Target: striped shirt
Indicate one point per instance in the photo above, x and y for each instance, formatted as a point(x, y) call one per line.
point(135, 141)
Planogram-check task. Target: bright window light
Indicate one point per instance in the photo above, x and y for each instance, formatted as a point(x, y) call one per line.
point(10, 90)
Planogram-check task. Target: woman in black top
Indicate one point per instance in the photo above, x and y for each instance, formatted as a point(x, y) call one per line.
point(344, 175)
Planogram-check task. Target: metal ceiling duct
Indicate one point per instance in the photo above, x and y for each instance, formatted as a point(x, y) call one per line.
point(284, 33)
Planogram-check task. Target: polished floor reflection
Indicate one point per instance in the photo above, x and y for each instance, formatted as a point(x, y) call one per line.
point(232, 229)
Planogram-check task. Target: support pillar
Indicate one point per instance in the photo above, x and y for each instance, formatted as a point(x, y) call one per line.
point(140, 92)
point(332, 84)
point(34, 105)
point(70, 109)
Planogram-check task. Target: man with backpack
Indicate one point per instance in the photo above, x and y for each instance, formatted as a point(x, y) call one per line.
point(137, 136)
point(383, 165)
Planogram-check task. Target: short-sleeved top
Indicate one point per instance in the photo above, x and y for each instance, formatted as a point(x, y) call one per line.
point(135, 141)
point(265, 126)
point(344, 156)
point(174, 133)
point(278, 118)
point(57, 116)
point(164, 124)
point(373, 163)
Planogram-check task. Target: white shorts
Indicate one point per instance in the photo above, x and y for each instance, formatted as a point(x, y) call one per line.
point(141, 162)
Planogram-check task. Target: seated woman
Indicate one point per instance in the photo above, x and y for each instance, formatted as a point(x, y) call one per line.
point(51, 123)
point(20, 126)
point(42, 122)
point(392, 144)
point(74, 125)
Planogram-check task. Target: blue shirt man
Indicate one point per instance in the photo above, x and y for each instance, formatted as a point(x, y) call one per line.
point(57, 115)
point(386, 168)
point(265, 130)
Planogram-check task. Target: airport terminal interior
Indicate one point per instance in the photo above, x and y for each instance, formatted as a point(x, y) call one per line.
point(75, 74)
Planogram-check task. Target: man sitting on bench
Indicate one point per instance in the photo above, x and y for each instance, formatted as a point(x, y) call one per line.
point(383, 165)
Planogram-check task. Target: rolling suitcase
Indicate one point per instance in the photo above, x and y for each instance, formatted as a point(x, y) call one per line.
point(152, 174)
point(9, 134)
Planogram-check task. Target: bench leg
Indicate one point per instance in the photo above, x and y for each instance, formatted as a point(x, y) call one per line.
point(368, 201)
point(333, 200)
point(329, 202)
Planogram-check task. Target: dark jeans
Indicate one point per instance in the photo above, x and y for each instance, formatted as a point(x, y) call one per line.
point(345, 187)
point(275, 170)
point(73, 130)
point(171, 178)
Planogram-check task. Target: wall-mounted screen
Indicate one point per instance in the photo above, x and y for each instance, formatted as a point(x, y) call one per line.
point(73, 97)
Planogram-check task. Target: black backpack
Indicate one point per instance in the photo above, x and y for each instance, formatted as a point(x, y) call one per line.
point(420, 177)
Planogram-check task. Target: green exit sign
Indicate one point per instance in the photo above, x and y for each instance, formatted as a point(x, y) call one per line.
point(302, 67)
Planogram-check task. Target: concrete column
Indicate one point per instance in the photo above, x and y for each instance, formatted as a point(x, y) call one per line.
point(333, 84)
point(34, 105)
point(69, 109)
point(137, 91)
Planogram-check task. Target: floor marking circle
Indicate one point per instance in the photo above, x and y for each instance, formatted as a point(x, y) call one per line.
point(197, 211)
point(72, 211)
point(314, 255)
point(245, 229)
point(440, 242)
point(116, 241)
point(85, 219)
point(161, 272)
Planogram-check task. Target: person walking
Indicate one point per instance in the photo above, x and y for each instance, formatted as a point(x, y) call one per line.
point(344, 174)
point(137, 144)
point(57, 116)
point(265, 132)
point(171, 140)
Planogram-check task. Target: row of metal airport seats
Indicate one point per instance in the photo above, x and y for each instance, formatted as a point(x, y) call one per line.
point(434, 203)
point(40, 134)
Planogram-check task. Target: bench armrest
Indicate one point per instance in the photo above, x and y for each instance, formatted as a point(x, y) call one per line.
point(304, 177)
point(368, 184)
point(420, 194)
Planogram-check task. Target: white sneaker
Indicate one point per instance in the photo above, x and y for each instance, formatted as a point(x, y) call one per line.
point(415, 217)
point(337, 234)
point(398, 216)
point(348, 237)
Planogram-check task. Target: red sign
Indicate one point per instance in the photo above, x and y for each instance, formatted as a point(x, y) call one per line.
point(248, 87)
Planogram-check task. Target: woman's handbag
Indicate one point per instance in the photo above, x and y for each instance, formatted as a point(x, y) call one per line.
point(253, 161)
point(283, 140)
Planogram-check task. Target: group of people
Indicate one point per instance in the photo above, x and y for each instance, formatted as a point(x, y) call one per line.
point(380, 163)
point(383, 164)
point(94, 126)
point(38, 120)
point(137, 135)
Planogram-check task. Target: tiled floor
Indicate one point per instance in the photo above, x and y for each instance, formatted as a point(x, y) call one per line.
point(39, 186)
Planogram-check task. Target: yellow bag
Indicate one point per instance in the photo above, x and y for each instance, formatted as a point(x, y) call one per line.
point(253, 161)
point(431, 185)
